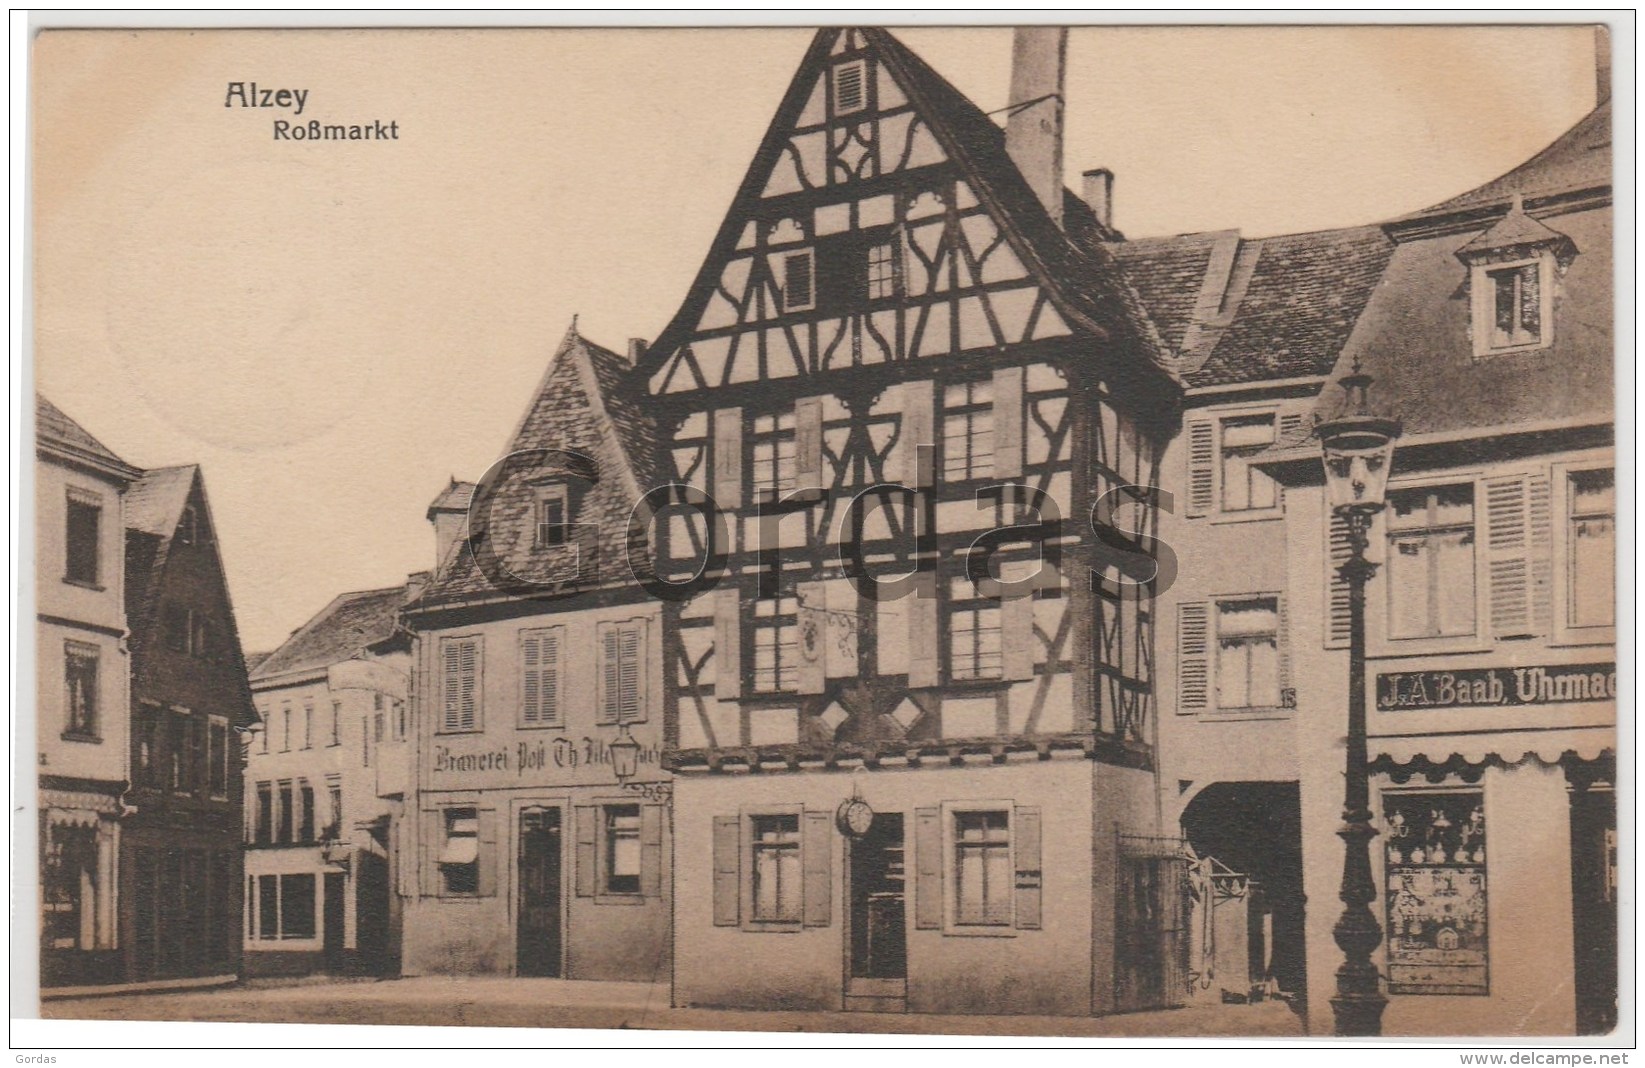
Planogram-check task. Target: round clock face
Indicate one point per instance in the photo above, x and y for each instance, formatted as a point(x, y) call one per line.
point(854, 817)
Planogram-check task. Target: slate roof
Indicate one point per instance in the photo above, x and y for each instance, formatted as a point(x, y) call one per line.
point(154, 503)
point(54, 430)
point(586, 404)
point(1580, 158)
point(350, 623)
point(454, 498)
point(1167, 273)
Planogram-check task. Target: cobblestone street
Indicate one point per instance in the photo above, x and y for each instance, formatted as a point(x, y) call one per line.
point(441, 1001)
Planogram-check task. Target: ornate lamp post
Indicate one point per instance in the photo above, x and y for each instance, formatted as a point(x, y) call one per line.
point(1359, 450)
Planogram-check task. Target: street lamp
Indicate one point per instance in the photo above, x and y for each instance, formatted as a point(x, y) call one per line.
point(1359, 450)
point(625, 755)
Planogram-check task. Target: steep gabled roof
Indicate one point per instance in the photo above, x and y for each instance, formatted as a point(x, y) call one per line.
point(352, 622)
point(585, 403)
point(154, 503)
point(57, 433)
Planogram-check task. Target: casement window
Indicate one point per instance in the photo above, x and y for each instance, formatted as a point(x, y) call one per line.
point(974, 646)
point(305, 822)
point(1435, 892)
point(281, 907)
point(977, 867)
point(287, 813)
point(540, 677)
point(799, 279)
point(217, 757)
point(336, 725)
point(968, 431)
point(1247, 667)
point(553, 516)
point(1590, 549)
point(622, 675)
point(80, 691)
point(308, 724)
point(1516, 305)
point(884, 269)
point(460, 683)
point(849, 83)
point(1244, 487)
point(776, 648)
point(459, 859)
point(263, 830)
point(83, 536)
point(1431, 585)
point(619, 852)
point(772, 455)
point(773, 869)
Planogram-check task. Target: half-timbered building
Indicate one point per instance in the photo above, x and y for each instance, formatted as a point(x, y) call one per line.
point(908, 690)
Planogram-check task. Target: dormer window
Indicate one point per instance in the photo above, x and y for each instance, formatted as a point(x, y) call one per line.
point(1513, 270)
point(850, 86)
point(553, 517)
point(799, 280)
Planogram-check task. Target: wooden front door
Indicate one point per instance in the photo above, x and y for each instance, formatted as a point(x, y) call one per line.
point(538, 944)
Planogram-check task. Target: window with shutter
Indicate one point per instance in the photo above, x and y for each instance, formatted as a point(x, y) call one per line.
point(1202, 458)
point(621, 697)
point(628, 674)
point(799, 280)
point(1430, 583)
point(1338, 550)
point(460, 686)
point(1507, 545)
point(1590, 550)
point(540, 677)
point(727, 850)
point(1193, 658)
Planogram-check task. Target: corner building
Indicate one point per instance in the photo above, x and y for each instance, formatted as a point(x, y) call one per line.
point(941, 801)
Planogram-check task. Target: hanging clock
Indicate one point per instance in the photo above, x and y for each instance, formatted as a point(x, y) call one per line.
point(854, 817)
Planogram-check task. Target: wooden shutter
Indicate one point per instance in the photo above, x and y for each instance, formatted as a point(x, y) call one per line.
point(609, 684)
point(813, 635)
point(1507, 555)
point(631, 671)
point(540, 681)
point(728, 639)
point(587, 875)
point(1202, 466)
point(918, 428)
point(1338, 550)
point(1026, 839)
point(1290, 427)
point(487, 852)
point(928, 889)
point(816, 849)
point(808, 443)
point(451, 683)
point(1007, 415)
point(462, 683)
point(727, 870)
point(1017, 621)
point(728, 458)
point(1542, 561)
point(651, 850)
point(1193, 656)
point(923, 631)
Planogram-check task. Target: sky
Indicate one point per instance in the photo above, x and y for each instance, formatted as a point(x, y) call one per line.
point(334, 330)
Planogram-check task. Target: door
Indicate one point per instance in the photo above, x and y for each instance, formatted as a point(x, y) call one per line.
point(1593, 908)
point(333, 919)
point(537, 950)
point(878, 964)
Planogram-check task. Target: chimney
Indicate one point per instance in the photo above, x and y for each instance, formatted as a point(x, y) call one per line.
point(1033, 132)
point(636, 351)
point(1602, 65)
point(1099, 194)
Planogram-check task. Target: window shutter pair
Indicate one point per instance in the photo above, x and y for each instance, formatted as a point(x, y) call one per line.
point(587, 858)
point(1338, 550)
point(651, 850)
point(540, 687)
point(587, 877)
point(1518, 532)
point(728, 638)
point(1029, 876)
point(462, 683)
point(621, 697)
point(808, 443)
point(816, 867)
point(924, 659)
point(728, 458)
point(1202, 466)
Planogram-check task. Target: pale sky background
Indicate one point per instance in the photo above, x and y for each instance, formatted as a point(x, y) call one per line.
point(332, 330)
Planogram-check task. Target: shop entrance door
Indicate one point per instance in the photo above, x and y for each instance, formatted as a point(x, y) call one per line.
point(877, 971)
point(1593, 911)
point(538, 921)
point(334, 911)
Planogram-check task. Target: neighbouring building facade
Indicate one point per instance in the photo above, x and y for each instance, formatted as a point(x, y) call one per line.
point(180, 848)
point(913, 761)
point(82, 710)
point(537, 650)
point(326, 780)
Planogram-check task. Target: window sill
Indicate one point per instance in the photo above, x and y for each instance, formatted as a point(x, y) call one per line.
point(539, 726)
point(619, 899)
point(84, 585)
point(1569, 639)
point(81, 736)
point(443, 733)
point(1244, 715)
point(1246, 515)
point(1509, 350)
point(959, 930)
point(1397, 648)
point(773, 927)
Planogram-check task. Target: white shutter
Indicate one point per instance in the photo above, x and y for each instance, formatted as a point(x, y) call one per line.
point(631, 672)
point(1007, 416)
point(918, 428)
point(924, 634)
point(531, 678)
point(728, 458)
point(1337, 620)
point(549, 674)
point(1540, 492)
point(450, 685)
point(840, 645)
point(610, 681)
point(1017, 621)
point(1507, 555)
point(728, 676)
point(470, 696)
point(1193, 656)
point(808, 443)
point(1202, 466)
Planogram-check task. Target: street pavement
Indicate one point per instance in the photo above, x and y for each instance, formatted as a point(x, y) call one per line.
point(500, 1002)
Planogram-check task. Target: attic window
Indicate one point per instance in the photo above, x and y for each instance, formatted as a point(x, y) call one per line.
point(799, 281)
point(850, 86)
point(1516, 294)
point(553, 517)
point(1513, 272)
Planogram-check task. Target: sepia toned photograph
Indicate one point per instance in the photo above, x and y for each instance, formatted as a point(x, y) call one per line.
point(1088, 532)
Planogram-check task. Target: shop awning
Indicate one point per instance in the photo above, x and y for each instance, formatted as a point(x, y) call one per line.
point(1507, 748)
